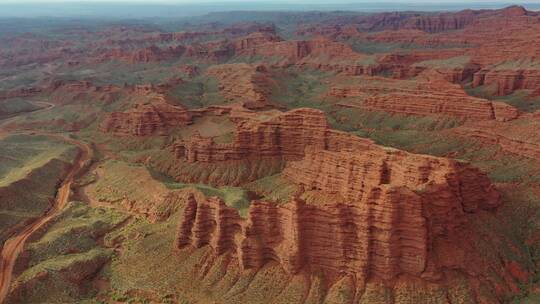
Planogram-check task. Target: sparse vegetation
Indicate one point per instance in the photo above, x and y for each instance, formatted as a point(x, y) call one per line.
point(15, 106)
point(272, 188)
point(29, 162)
point(300, 88)
point(76, 229)
point(62, 262)
point(524, 100)
point(198, 92)
point(450, 63)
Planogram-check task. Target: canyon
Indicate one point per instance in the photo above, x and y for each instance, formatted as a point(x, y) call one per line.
point(386, 208)
point(272, 157)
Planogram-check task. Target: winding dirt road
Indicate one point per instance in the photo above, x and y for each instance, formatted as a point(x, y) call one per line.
point(14, 246)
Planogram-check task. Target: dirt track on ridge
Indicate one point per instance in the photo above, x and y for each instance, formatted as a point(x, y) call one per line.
point(14, 246)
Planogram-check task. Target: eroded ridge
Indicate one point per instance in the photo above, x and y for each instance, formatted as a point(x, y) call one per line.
point(376, 211)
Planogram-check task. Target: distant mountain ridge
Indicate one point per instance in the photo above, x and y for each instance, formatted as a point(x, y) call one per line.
point(122, 10)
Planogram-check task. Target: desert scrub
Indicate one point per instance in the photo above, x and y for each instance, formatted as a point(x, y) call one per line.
point(235, 197)
point(23, 153)
point(61, 279)
point(449, 63)
point(13, 106)
point(341, 292)
point(29, 162)
point(273, 188)
point(298, 88)
point(113, 184)
point(75, 230)
point(356, 119)
point(232, 173)
point(87, 179)
point(200, 91)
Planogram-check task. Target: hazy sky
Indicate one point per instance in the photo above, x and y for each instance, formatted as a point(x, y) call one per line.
point(282, 1)
point(189, 8)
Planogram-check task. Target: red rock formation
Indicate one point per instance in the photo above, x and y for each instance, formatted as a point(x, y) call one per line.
point(487, 36)
point(320, 53)
point(457, 75)
point(254, 40)
point(291, 50)
point(393, 206)
point(214, 51)
point(154, 53)
point(332, 172)
point(426, 22)
point(156, 117)
point(428, 94)
point(442, 22)
point(410, 21)
point(208, 215)
point(471, 108)
point(497, 36)
point(508, 81)
point(285, 135)
point(431, 23)
point(233, 31)
point(299, 49)
point(248, 84)
point(326, 30)
point(34, 49)
point(144, 55)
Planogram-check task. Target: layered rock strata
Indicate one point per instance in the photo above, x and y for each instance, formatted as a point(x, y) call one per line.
point(508, 81)
point(153, 118)
point(392, 207)
point(432, 23)
point(511, 138)
point(441, 104)
point(427, 95)
point(254, 40)
point(285, 135)
point(321, 53)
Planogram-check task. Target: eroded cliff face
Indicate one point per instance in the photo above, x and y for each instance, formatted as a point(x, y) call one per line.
point(429, 94)
point(166, 46)
point(388, 211)
point(254, 40)
point(213, 51)
point(320, 52)
point(153, 117)
point(431, 23)
point(489, 37)
point(508, 81)
point(151, 53)
point(284, 135)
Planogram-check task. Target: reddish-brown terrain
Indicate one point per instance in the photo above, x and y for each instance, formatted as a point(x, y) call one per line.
point(508, 81)
point(248, 84)
point(419, 97)
point(153, 117)
point(377, 212)
point(307, 157)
